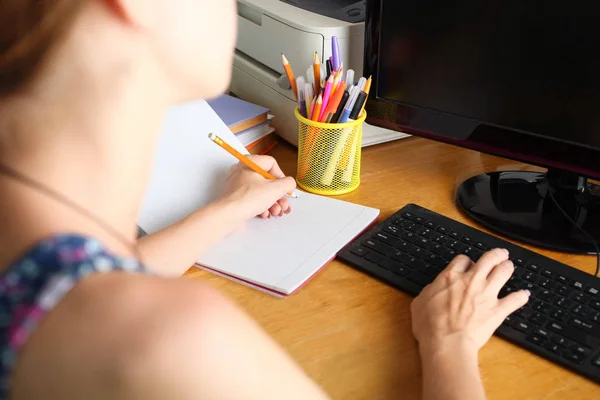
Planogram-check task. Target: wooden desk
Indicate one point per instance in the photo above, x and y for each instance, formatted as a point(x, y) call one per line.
point(352, 334)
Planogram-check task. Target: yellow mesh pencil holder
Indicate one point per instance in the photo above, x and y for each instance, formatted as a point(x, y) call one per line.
point(329, 155)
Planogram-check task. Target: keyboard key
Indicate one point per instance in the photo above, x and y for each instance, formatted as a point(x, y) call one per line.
point(581, 297)
point(562, 279)
point(592, 291)
point(560, 340)
point(538, 319)
point(443, 230)
point(571, 333)
point(429, 270)
point(360, 251)
point(481, 246)
point(418, 220)
point(541, 332)
point(595, 304)
point(455, 235)
point(580, 310)
point(387, 239)
point(542, 307)
point(531, 276)
point(518, 261)
point(547, 273)
point(379, 247)
point(467, 240)
point(563, 290)
point(596, 362)
point(393, 230)
point(581, 350)
point(408, 215)
point(553, 347)
point(506, 290)
point(574, 357)
point(428, 233)
point(546, 295)
point(536, 340)
point(435, 260)
point(431, 225)
point(522, 326)
point(547, 284)
point(563, 303)
point(392, 265)
point(534, 267)
point(559, 314)
point(593, 329)
point(419, 278)
point(524, 312)
point(577, 285)
point(594, 317)
point(374, 257)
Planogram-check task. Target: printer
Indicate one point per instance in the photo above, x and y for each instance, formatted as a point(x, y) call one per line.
point(298, 28)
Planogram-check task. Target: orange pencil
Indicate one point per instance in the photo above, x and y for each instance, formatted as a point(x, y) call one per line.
point(242, 158)
point(317, 72)
point(317, 110)
point(336, 81)
point(290, 75)
point(335, 102)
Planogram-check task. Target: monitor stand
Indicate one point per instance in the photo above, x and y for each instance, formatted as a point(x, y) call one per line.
point(516, 204)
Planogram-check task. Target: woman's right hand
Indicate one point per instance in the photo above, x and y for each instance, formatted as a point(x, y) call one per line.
point(253, 195)
point(460, 310)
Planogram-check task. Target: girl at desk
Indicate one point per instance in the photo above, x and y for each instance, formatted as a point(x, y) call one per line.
point(86, 312)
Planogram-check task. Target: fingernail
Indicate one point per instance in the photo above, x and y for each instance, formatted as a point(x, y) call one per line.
point(288, 210)
point(506, 251)
point(269, 216)
point(528, 293)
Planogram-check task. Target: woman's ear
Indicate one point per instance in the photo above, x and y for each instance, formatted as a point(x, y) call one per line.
point(137, 13)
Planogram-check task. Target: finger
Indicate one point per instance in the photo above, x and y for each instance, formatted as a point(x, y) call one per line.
point(285, 205)
point(488, 261)
point(510, 304)
point(498, 277)
point(280, 187)
point(461, 264)
point(265, 215)
point(276, 210)
point(269, 164)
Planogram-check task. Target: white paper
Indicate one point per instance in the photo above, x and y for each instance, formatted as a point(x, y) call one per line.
point(189, 170)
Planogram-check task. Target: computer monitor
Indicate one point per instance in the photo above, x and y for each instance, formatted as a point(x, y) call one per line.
point(513, 78)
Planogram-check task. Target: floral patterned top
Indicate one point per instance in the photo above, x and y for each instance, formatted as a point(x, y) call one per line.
point(34, 284)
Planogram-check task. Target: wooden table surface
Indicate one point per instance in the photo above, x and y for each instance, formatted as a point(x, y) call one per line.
point(352, 334)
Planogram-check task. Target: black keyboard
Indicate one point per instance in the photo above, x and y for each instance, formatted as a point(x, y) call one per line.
point(561, 321)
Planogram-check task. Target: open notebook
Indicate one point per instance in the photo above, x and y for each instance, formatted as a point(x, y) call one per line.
point(277, 255)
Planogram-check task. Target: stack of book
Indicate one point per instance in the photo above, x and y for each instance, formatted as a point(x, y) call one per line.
point(250, 123)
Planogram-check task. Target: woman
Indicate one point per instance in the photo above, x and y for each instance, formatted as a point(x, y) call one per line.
point(84, 85)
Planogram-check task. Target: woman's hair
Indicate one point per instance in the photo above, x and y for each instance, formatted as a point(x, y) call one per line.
point(29, 30)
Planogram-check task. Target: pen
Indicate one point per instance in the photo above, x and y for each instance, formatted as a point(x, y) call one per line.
point(334, 102)
point(335, 50)
point(317, 72)
point(301, 99)
point(367, 90)
point(329, 67)
point(243, 159)
point(290, 75)
point(350, 77)
point(340, 108)
point(308, 97)
point(348, 108)
point(326, 96)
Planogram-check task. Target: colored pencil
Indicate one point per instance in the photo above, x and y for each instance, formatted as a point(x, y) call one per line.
point(317, 72)
point(290, 75)
point(326, 97)
point(317, 110)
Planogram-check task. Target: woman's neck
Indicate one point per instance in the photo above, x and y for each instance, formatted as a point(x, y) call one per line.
point(93, 144)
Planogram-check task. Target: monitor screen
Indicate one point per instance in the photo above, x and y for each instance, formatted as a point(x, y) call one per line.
point(499, 76)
